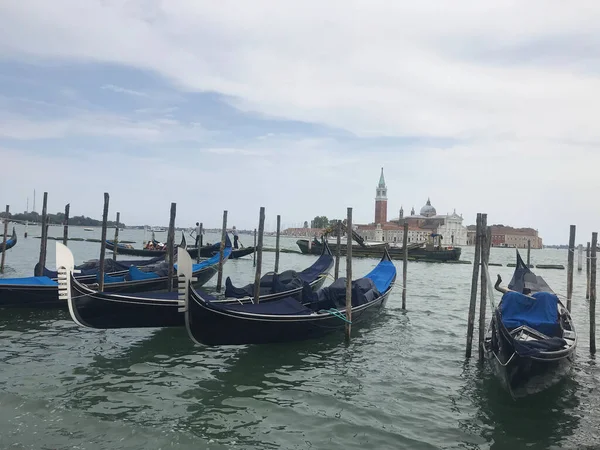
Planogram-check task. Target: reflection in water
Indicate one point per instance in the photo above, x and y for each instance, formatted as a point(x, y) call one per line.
point(534, 422)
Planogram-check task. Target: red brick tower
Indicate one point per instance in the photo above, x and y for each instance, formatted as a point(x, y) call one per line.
point(381, 201)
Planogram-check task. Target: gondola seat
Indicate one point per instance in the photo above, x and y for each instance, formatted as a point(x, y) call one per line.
point(334, 295)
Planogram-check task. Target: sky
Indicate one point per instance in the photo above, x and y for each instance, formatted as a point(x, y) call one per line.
point(295, 106)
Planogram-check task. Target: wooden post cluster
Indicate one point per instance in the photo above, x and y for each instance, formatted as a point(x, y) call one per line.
point(486, 242)
point(473, 303)
point(103, 241)
point(404, 262)
point(44, 240)
point(4, 239)
point(338, 249)
point(259, 249)
point(528, 253)
point(570, 261)
point(348, 273)
point(116, 240)
point(222, 252)
point(277, 243)
point(587, 271)
point(593, 294)
point(579, 257)
point(66, 224)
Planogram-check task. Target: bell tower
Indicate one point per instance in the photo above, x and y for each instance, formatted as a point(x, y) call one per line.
point(381, 201)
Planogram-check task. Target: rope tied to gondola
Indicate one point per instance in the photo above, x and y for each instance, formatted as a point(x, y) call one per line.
point(336, 313)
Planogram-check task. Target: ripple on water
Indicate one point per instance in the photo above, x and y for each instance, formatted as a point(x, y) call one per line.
point(400, 383)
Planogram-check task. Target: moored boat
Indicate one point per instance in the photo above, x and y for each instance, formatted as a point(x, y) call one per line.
point(531, 341)
point(42, 292)
point(288, 319)
point(416, 251)
point(10, 242)
point(105, 310)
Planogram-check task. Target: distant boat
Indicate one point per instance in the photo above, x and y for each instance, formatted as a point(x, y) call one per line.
point(158, 229)
point(88, 229)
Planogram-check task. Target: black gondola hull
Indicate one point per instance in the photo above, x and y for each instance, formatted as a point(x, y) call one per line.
point(524, 375)
point(210, 326)
point(97, 310)
point(28, 296)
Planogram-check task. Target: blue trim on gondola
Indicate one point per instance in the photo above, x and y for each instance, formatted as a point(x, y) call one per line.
point(28, 281)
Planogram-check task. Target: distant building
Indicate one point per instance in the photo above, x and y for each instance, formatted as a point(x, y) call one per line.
point(505, 236)
point(420, 226)
point(381, 201)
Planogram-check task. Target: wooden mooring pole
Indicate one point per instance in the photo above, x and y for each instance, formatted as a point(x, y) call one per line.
point(486, 241)
point(338, 249)
point(222, 252)
point(4, 239)
point(171, 247)
point(528, 251)
point(201, 243)
point(579, 257)
point(66, 224)
point(254, 253)
point(587, 271)
point(570, 261)
point(44, 240)
point(473, 303)
point(103, 241)
point(404, 262)
point(116, 240)
point(258, 249)
point(349, 274)
point(593, 293)
point(199, 232)
point(277, 243)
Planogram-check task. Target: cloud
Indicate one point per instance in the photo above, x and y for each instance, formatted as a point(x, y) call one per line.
point(121, 90)
point(486, 106)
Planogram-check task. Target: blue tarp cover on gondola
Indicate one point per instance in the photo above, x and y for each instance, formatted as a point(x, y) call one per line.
point(382, 275)
point(539, 312)
point(29, 281)
point(137, 274)
point(321, 265)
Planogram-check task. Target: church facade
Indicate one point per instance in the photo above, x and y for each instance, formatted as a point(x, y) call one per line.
point(420, 226)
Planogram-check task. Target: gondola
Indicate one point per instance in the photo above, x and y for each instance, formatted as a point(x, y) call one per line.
point(42, 292)
point(87, 273)
point(531, 341)
point(206, 251)
point(209, 250)
point(126, 249)
point(288, 319)
point(105, 310)
point(10, 243)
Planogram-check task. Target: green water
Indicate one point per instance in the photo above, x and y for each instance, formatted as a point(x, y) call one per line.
point(401, 383)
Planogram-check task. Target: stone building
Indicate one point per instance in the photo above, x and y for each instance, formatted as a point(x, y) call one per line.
point(421, 226)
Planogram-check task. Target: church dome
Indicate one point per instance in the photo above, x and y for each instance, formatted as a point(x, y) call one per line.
point(428, 210)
